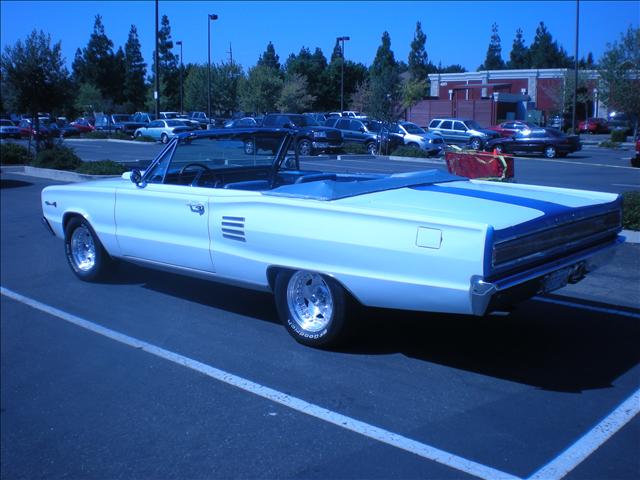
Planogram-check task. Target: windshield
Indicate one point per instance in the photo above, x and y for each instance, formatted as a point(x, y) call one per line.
point(472, 124)
point(304, 120)
point(373, 126)
point(413, 128)
point(174, 123)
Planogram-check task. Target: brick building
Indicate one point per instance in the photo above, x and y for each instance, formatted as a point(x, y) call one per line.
point(496, 95)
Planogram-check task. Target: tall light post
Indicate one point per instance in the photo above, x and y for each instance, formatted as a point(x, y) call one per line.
point(342, 40)
point(575, 72)
point(156, 92)
point(211, 17)
point(179, 42)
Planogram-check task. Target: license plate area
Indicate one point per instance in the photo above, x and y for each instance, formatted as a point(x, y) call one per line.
point(555, 280)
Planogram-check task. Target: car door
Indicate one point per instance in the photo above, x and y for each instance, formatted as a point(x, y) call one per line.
point(459, 132)
point(446, 128)
point(164, 223)
point(347, 134)
point(154, 129)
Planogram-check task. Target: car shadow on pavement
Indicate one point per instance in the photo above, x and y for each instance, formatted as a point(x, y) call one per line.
point(552, 347)
point(7, 183)
point(549, 346)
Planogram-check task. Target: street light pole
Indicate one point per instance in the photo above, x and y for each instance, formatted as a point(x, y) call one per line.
point(156, 92)
point(575, 71)
point(342, 39)
point(179, 42)
point(210, 17)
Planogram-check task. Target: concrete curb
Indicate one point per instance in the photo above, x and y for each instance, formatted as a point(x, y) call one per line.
point(631, 236)
point(112, 140)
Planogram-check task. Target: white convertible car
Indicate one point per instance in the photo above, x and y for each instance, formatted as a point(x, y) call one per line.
point(234, 206)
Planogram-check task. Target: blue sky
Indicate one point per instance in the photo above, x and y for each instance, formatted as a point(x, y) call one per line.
point(457, 32)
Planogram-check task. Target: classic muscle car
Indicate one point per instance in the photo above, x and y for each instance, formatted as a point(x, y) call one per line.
point(323, 242)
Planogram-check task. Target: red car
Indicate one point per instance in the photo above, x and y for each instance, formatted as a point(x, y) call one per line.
point(594, 125)
point(507, 129)
point(82, 125)
point(27, 128)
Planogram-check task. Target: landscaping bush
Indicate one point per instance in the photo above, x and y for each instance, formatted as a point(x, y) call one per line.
point(14, 154)
point(120, 136)
point(103, 167)
point(97, 135)
point(145, 138)
point(609, 144)
point(57, 158)
point(406, 151)
point(354, 148)
point(631, 210)
point(618, 136)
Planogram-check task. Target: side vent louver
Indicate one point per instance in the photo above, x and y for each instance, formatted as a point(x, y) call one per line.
point(233, 228)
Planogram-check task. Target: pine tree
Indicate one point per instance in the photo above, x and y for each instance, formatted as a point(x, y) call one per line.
point(519, 56)
point(418, 59)
point(269, 58)
point(98, 60)
point(545, 52)
point(384, 82)
point(493, 60)
point(134, 88)
point(169, 73)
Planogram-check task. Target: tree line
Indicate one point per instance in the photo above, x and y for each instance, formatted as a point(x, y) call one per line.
point(34, 77)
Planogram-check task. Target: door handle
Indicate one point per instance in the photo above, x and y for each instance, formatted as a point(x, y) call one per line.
point(196, 208)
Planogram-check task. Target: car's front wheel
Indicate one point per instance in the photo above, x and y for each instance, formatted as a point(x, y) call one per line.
point(475, 143)
point(85, 254)
point(312, 307)
point(550, 151)
point(372, 148)
point(304, 147)
point(164, 138)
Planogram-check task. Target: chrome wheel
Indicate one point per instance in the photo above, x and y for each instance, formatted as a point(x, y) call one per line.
point(371, 148)
point(310, 301)
point(550, 152)
point(475, 144)
point(304, 147)
point(83, 249)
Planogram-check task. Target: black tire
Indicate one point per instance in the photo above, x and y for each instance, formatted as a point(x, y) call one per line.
point(304, 147)
point(164, 138)
point(249, 147)
point(85, 254)
point(322, 291)
point(138, 135)
point(550, 151)
point(372, 148)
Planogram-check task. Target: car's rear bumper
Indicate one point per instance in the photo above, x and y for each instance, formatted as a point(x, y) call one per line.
point(500, 294)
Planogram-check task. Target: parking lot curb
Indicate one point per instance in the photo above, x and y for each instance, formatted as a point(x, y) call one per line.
point(113, 140)
point(631, 236)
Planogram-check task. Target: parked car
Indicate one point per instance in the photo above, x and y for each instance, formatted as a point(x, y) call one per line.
point(201, 118)
point(60, 128)
point(8, 129)
point(558, 121)
point(243, 122)
point(546, 141)
point(27, 129)
point(358, 131)
point(124, 123)
point(318, 117)
point(143, 117)
point(312, 138)
point(162, 130)
point(593, 125)
point(620, 121)
point(506, 129)
point(353, 114)
point(325, 242)
point(460, 131)
point(413, 135)
point(82, 125)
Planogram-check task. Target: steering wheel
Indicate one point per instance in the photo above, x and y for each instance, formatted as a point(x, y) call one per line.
point(203, 168)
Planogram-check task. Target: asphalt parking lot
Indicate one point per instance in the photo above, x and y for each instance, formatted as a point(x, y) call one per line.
point(153, 375)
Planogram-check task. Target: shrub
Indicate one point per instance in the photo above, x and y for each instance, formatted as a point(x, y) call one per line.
point(618, 136)
point(14, 154)
point(354, 148)
point(609, 144)
point(406, 151)
point(58, 158)
point(103, 167)
point(144, 138)
point(97, 135)
point(631, 210)
point(120, 136)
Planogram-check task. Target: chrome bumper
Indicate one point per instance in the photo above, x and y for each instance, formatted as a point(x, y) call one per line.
point(523, 285)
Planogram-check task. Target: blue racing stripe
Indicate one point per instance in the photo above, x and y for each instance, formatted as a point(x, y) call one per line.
point(548, 208)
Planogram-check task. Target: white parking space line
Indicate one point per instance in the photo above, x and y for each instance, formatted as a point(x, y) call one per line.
point(370, 431)
point(571, 162)
point(633, 185)
point(613, 311)
point(591, 441)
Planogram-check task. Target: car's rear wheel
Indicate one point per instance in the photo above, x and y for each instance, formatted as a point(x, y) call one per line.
point(550, 151)
point(475, 143)
point(164, 138)
point(372, 148)
point(312, 307)
point(138, 134)
point(304, 147)
point(85, 254)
